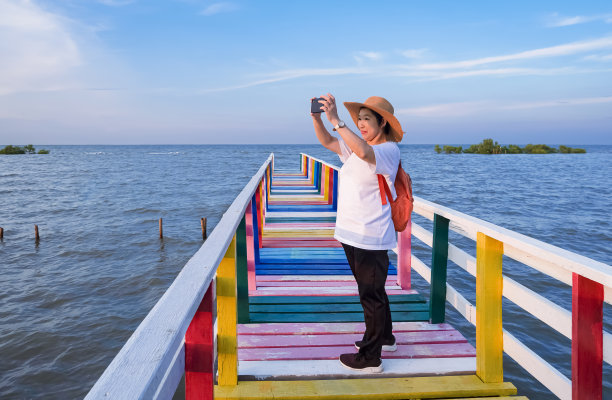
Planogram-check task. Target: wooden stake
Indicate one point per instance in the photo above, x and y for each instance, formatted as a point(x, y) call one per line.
point(161, 229)
point(37, 237)
point(1, 233)
point(203, 223)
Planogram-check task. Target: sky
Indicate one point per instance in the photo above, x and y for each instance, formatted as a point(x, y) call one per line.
point(243, 72)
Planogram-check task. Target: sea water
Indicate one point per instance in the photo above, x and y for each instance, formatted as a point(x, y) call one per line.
point(69, 302)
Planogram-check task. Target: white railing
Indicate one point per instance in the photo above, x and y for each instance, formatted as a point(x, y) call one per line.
point(152, 362)
point(553, 261)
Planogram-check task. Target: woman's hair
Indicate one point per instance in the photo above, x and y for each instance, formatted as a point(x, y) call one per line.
point(379, 121)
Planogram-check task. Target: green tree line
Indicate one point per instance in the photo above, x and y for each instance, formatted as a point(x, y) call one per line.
point(488, 146)
point(27, 149)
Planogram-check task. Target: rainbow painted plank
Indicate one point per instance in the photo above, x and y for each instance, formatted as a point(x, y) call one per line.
point(303, 303)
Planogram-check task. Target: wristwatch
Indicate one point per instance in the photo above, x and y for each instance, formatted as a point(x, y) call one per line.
point(340, 124)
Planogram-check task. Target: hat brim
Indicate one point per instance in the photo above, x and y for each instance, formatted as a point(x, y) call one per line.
point(396, 128)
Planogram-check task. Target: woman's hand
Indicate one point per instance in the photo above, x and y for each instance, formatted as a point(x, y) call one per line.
point(329, 106)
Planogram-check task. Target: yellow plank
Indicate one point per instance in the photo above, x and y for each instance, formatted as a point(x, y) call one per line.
point(380, 388)
point(226, 317)
point(489, 342)
point(494, 398)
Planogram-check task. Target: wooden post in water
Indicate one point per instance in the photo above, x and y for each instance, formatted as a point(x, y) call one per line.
point(161, 229)
point(1, 233)
point(203, 223)
point(36, 236)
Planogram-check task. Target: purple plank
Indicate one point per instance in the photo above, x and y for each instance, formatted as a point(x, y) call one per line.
point(331, 278)
point(443, 350)
point(313, 328)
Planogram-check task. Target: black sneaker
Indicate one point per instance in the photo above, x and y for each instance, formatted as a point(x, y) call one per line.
point(387, 345)
point(358, 362)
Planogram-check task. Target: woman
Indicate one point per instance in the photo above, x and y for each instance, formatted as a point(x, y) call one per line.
point(363, 224)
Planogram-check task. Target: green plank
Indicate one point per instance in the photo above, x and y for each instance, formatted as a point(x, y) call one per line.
point(333, 317)
point(330, 308)
point(397, 298)
point(439, 259)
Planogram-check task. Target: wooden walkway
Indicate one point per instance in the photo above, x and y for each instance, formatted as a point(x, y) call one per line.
point(304, 311)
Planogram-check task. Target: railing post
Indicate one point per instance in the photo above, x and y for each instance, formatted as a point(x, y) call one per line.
point(335, 204)
point(242, 273)
point(404, 247)
point(587, 339)
point(252, 248)
point(199, 352)
point(330, 185)
point(311, 171)
point(226, 318)
point(489, 333)
point(439, 260)
point(259, 208)
point(325, 183)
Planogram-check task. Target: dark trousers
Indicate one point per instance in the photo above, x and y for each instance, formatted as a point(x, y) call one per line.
point(370, 269)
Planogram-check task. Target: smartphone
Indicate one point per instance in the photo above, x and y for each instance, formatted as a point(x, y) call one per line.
point(315, 106)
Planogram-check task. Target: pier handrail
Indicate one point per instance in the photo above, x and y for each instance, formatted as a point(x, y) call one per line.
point(152, 361)
point(591, 283)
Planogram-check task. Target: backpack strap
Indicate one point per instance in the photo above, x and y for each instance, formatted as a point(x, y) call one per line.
point(382, 184)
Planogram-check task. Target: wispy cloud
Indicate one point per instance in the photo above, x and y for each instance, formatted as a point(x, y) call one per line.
point(445, 70)
point(293, 74)
point(218, 8)
point(413, 53)
point(362, 56)
point(116, 3)
point(460, 109)
point(558, 103)
point(555, 20)
point(37, 47)
point(552, 51)
point(598, 57)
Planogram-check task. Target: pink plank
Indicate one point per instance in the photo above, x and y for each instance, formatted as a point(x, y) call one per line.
point(300, 224)
point(302, 243)
point(314, 328)
point(262, 341)
point(297, 203)
point(319, 292)
point(443, 350)
point(315, 283)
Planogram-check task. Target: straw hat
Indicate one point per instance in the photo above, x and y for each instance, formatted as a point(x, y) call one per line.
point(381, 106)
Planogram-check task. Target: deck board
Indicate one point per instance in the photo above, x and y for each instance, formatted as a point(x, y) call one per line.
point(304, 312)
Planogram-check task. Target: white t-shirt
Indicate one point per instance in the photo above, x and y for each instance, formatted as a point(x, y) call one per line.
point(362, 221)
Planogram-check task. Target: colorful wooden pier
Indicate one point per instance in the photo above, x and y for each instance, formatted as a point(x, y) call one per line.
point(264, 309)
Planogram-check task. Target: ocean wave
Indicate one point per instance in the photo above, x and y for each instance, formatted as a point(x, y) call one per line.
point(166, 153)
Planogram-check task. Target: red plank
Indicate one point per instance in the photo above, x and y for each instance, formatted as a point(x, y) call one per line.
point(443, 350)
point(320, 292)
point(587, 339)
point(199, 352)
